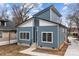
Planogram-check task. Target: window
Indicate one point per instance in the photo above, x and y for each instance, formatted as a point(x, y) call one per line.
point(24, 35)
point(0, 34)
point(47, 37)
point(44, 36)
point(2, 23)
point(75, 34)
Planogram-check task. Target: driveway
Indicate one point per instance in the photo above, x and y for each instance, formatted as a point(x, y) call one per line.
point(73, 49)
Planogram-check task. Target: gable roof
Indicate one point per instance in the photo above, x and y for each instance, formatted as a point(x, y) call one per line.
point(48, 8)
point(24, 21)
point(44, 20)
point(44, 10)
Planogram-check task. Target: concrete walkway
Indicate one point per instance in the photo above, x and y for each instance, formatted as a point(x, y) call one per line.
point(30, 52)
point(73, 49)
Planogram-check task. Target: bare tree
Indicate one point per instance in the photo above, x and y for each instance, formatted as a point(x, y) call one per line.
point(70, 27)
point(3, 13)
point(20, 12)
point(73, 14)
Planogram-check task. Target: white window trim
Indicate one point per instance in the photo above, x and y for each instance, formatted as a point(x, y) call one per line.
point(46, 41)
point(24, 32)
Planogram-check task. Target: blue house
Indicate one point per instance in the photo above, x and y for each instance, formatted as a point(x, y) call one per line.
point(44, 29)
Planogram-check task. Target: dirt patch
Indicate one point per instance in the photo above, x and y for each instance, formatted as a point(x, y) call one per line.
point(60, 52)
point(12, 50)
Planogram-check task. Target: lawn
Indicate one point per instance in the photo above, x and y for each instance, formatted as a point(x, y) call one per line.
point(60, 52)
point(12, 50)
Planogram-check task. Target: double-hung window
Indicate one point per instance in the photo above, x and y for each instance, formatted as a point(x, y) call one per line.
point(47, 37)
point(25, 35)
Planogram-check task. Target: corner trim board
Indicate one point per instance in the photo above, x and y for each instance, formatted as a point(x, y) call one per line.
point(58, 35)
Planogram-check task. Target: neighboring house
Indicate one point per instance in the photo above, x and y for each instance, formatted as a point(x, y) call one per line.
point(73, 29)
point(43, 29)
point(7, 32)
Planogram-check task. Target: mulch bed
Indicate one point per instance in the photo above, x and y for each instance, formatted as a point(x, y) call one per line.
point(60, 52)
point(12, 50)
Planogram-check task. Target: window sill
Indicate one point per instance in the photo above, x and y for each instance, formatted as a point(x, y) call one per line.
point(25, 39)
point(46, 42)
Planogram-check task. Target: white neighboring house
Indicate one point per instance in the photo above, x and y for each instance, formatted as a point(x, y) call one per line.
point(7, 32)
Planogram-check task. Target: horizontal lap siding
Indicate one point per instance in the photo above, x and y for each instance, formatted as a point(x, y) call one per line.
point(61, 35)
point(26, 29)
point(65, 35)
point(54, 17)
point(12, 35)
point(48, 29)
point(45, 15)
point(5, 36)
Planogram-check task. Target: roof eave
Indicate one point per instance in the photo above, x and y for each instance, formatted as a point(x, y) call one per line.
point(55, 10)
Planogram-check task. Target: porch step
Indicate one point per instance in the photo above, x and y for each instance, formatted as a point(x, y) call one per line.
point(33, 45)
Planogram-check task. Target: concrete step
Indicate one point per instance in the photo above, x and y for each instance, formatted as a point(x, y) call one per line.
point(33, 45)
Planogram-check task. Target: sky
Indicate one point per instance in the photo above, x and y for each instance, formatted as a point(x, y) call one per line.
point(40, 6)
point(59, 6)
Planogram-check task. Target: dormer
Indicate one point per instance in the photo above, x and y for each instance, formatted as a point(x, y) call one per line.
point(49, 13)
point(54, 15)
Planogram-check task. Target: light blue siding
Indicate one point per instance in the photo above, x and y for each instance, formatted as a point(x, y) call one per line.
point(66, 33)
point(26, 29)
point(45, 15)
point(61, 35)
point(36, 24)
point(36, 30)
point(35, 35)
point(49, 15)
point(53, 29)
point(54, 17)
